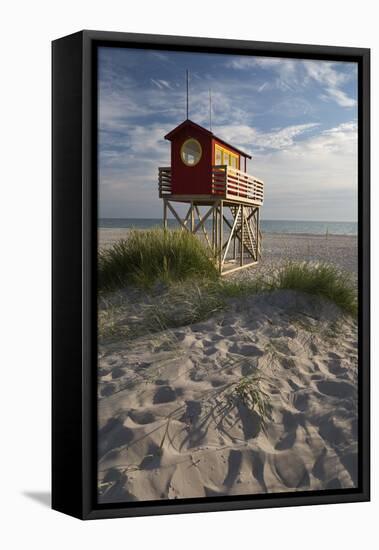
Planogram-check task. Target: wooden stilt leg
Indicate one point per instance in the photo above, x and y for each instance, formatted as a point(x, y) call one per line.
point(242, 232)
point(221, 236)
point(213, 229)
point(257, 234)
point(164, 214)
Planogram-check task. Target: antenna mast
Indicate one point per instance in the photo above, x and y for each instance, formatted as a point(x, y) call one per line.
point(187, 83)
point(210, 109)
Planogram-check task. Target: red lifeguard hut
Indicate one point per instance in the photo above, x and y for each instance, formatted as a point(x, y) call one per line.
point(206, 171)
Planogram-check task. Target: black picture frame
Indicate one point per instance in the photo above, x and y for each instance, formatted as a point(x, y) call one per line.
point(74, 205)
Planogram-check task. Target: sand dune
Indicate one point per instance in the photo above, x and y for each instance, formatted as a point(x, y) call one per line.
point(176, 417)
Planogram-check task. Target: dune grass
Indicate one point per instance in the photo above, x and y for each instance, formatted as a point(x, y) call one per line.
point(249, 390)
point(323, 280)
point(174, 256)
point(146, 257)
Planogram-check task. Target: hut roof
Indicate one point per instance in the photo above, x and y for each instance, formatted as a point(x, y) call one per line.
point(189, 122)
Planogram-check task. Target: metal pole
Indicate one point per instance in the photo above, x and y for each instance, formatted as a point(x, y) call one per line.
point(210, 110)
point(187, 83)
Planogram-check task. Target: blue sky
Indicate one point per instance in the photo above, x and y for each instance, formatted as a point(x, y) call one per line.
point(297, 118)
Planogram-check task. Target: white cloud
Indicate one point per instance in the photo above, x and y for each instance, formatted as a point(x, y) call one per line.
point(341, 98)
point(251, 139)
point(325, 73)
point(315, 178)
point(292, 74)
point(161, 83)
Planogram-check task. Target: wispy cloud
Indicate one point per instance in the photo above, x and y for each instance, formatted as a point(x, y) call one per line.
point(340, 97)
point(290, 74)
point(326, 73)
point(256, 140)
point(161, 84)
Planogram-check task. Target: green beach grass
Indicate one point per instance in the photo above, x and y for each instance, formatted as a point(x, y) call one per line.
point(174, 256)
point(323, 280)
point(146, 257)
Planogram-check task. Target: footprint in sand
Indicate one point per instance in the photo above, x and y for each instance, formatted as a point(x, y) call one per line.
point(251, 421)
point(301, 400)
point(336, 388)
point(112, 475)
point(108, 389)
point(227, 331)
point(319, 469)
point(152, 459)
point(350, 461)
point(234, 467)
point(103, 371)
point(113, 435)
point(248, 350)
point(332, 433)
point(334, 484)
point(142, 417)
point(165, 394)
point(192, 412)
point(333, 355)
point(286, 442)
point(257, 466)
point(118, 372)
point(288, 362)
point(291, 470)
point(293, 385)
point(290, 420)
point(197, 375)
point(217, 382)
point(334, 367)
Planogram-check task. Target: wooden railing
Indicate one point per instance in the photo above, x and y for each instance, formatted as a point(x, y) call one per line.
point(228, 181)
point(164, 181)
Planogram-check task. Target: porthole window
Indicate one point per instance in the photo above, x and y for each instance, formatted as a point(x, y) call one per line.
point(191, 152)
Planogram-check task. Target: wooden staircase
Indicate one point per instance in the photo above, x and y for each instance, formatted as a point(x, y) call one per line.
point(249, 239)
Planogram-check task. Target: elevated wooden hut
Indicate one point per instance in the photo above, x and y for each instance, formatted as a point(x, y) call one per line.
point(206, 171)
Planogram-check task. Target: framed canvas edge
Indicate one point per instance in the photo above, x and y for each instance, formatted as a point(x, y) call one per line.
point(87, 505)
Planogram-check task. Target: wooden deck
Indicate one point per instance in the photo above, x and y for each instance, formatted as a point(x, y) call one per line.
point(229, 184)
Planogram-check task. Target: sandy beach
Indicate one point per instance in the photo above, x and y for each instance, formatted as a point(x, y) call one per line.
point(177, 411)
point(172, 425)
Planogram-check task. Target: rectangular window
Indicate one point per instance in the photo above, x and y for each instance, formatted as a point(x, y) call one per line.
point(223, 156)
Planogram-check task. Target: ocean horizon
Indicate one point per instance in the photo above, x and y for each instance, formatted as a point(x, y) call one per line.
point(267, 226)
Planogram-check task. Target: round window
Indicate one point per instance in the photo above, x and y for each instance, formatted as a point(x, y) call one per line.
point(191, 152)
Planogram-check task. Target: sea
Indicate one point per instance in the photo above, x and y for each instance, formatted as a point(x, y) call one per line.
point(267, 226)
